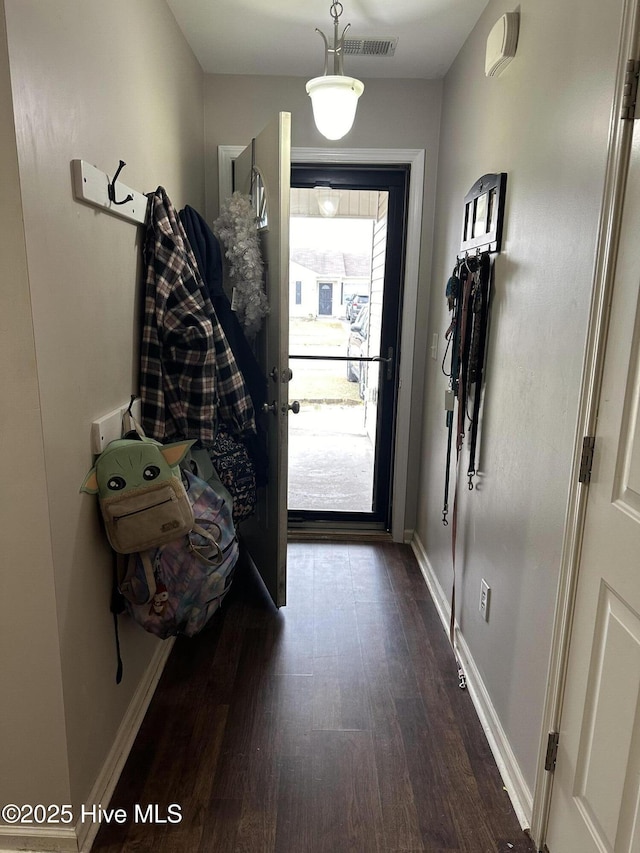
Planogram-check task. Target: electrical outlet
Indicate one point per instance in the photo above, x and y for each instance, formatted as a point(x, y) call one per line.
point(485, 596)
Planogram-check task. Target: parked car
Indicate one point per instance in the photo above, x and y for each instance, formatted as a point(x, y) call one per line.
point(354, 305)
point(358, 347)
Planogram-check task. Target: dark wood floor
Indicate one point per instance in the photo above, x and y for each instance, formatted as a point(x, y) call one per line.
point(335, 724)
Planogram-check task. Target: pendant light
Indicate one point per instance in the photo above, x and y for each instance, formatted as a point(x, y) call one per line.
point(334, 97)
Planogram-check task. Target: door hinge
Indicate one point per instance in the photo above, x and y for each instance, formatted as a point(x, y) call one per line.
point(586, 460)
point(630, 91)
point(552, 751)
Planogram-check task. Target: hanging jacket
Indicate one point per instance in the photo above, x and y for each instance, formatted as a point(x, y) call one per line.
point(208, 255)
point(188, 374)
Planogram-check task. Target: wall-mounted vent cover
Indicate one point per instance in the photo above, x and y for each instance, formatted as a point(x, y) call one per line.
point(370, 46)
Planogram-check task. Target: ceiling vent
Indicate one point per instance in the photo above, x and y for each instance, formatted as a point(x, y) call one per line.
point(370, 46)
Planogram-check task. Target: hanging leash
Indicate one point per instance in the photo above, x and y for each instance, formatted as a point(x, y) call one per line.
point(478, 350)
point(468, 298)
point(452, 336)
point(468, 283)
point(458, 289)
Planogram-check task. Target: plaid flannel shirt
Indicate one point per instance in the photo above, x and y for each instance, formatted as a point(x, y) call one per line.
point(188, 374)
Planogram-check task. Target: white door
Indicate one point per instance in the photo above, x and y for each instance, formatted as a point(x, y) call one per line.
point(595, 802)
point(268, 162)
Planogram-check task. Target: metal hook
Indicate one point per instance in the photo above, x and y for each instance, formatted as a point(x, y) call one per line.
point(111, 187)
point(333, 11)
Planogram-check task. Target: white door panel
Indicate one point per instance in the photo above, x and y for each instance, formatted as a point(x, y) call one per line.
point(596, 790)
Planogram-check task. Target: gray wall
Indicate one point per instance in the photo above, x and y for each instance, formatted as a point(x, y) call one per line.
point(96, 83)
point(237, 107)
point(32, 725)
point(544, 122)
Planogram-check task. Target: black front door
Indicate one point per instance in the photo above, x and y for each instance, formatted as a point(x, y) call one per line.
point(325, 298)
point(351, 415)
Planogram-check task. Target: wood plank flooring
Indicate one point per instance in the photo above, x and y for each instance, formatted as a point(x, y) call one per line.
point(335, 725)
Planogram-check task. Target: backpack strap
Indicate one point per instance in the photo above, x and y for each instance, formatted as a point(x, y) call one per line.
point(198, 550)
point(126, 582)
point(131, 428)
point(116, 606)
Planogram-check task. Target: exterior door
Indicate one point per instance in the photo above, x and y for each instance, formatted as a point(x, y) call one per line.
point(595, 803)
point(333, 494)
point(325, 298)
point(263, 170)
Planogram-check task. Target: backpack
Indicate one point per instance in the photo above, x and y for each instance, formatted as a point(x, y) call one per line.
point(191, 575)
point(173, 534)
point(141, 495)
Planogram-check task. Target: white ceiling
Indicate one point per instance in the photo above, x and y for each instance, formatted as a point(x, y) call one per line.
point(273, 37)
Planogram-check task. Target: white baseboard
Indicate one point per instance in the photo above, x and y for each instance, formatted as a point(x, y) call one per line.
point(40, 839)
point(514, 782)
point(113, 766)
point(37, 839)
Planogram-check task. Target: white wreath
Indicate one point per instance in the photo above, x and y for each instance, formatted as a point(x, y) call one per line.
point(236, 229)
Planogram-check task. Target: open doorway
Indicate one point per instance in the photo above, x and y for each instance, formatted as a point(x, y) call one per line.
point(347, 239)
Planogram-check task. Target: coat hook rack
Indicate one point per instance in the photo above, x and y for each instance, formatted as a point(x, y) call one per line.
point(484, 215)
point(94, 187)
point(111, 187)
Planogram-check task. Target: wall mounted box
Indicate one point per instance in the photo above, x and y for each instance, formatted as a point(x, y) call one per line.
point(501, 44)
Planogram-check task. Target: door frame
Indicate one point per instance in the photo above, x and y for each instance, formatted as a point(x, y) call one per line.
point(618, 152)
point(403, 493)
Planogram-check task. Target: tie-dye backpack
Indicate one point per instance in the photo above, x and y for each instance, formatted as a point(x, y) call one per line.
point(177, 531)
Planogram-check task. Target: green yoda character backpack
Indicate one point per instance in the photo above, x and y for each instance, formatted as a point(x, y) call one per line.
point(143, 501)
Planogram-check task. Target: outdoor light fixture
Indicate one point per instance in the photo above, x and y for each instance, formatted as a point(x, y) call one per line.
point(334, 97)
point(328, 200)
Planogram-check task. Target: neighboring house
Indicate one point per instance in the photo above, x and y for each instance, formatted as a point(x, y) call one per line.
point(321, 281)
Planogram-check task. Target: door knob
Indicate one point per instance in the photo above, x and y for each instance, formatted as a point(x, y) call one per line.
point(273, 408)
point(287, 374)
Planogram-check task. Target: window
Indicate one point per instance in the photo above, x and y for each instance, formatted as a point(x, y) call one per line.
point(298, 293)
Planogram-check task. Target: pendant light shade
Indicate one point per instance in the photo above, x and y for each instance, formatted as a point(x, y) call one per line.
point(334, 97)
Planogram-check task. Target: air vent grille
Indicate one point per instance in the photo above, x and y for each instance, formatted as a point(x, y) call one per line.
point(370, 46)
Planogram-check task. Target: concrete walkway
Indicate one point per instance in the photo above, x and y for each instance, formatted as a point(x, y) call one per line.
point(330, 459)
